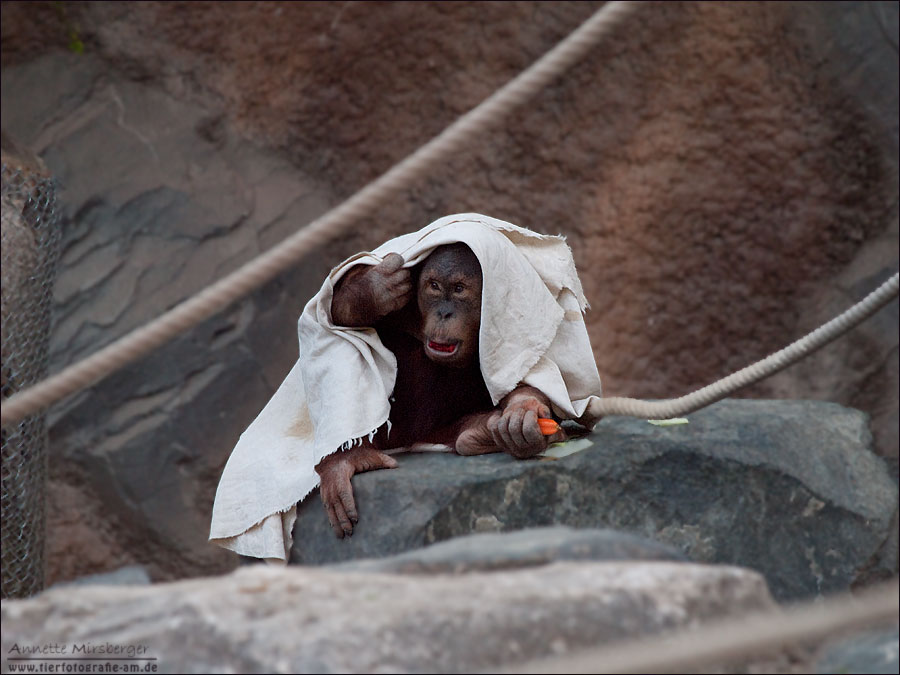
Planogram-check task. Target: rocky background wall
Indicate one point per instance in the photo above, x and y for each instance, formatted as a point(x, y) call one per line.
point(726, 174)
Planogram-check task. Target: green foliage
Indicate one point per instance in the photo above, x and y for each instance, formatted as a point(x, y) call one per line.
point(76, 45)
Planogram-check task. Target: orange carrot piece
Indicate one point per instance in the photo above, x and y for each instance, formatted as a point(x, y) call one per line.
point(548, 426)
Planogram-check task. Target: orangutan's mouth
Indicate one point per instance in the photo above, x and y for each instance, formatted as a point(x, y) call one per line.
point(443, 348)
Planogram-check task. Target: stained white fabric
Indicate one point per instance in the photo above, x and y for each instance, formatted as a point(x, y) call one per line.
point(532, 332)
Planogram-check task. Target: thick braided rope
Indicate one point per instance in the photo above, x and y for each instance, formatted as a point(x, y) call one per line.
point(759, 370)
point(325, 228)
point(730, 640)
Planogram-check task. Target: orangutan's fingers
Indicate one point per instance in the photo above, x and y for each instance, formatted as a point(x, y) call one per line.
point(333, 519)
point(391, 263)
point(535, 441)
point(343, 519)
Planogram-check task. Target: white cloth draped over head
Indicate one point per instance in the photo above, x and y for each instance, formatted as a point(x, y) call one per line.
point(338, 392)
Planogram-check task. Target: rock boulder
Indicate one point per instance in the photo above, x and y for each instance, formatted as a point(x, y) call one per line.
point(726, 174)
point(487, 551)
point(788, 488)
point(274, 620)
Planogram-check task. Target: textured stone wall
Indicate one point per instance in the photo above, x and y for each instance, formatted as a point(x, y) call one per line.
point(726, 174)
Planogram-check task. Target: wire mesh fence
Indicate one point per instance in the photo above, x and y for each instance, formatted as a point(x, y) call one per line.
point(28, 262)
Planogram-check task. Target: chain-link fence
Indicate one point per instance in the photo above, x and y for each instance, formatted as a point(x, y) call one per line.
point(30, 250)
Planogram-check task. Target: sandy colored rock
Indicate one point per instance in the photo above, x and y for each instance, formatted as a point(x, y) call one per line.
point(264, 619)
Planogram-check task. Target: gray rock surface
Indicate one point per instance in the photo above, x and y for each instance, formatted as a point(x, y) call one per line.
point(489, 551)
point(159, 200)
point(302, 620)
point(788, 488)
point(726, 174)
point(871, 652)
point(130, 575)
